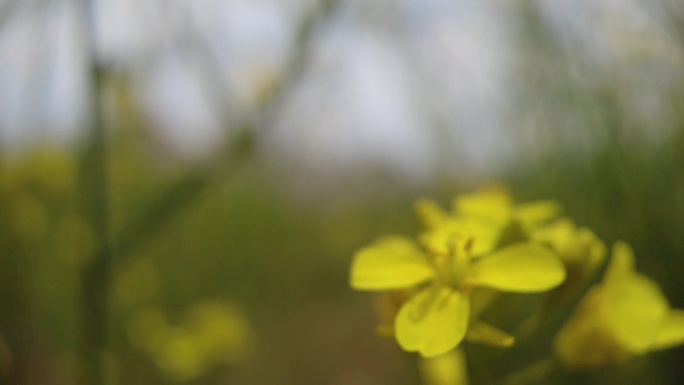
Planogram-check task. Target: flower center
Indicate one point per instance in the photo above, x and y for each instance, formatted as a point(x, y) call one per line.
point(453, 267)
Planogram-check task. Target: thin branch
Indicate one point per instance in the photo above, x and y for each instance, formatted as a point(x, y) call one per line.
point(178, 195)
point(95, 275)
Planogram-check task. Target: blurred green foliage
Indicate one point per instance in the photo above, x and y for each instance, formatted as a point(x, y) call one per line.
point(240, 239)
point(281, 261)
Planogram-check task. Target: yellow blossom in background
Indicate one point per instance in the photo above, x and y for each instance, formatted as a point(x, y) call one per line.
point(436, 318)
point(52, 171)
point(625, 315)
point(489, 216)
point(213, 333)
point(580, 250)
point(497, 207)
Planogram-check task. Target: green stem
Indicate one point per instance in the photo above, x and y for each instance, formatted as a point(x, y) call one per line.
point(173, 199)
point(447, 369)
point(95, 278)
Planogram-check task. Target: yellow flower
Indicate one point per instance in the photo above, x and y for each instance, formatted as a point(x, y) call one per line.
point(497, 207)
point(489, 216)
point(580, 250)
point(436, 318)
point(623, 316)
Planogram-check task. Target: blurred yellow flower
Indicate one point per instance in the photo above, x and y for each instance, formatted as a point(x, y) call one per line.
point(489, 216)
point(213, 333)
point(580, 250)
point(623, 316)
point(436, 317)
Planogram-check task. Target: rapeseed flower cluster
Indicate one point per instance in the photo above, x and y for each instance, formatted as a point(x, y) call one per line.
point(487, 244)
point(484, 242)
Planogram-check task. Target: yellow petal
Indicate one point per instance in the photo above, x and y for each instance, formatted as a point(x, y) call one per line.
point(671, 332)
point(433, 322)
point(534, 213)
point(559, 234)
point(483, 332)
point(587, 340)
point(494, 205)
point(522, 267)
point(430, 213)
point(621, 263)
point(634, 308)
point(595, 249)
point(579, 248)
point(390, 263)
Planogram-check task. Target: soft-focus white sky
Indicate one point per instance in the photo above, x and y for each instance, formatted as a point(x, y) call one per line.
point(410, 85)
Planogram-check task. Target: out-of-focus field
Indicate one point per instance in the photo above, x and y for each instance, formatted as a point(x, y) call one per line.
point(232, 267)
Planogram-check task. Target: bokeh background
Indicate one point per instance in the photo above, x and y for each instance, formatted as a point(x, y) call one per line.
point(183, 183)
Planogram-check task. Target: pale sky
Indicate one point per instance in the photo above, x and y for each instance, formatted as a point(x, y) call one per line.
point(383, 74)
